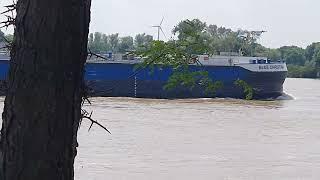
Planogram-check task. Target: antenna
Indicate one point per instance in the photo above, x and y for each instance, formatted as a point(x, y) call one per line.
point(160, 29)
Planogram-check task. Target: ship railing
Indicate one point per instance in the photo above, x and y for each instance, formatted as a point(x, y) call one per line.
point(261, 63)
point(265, 61)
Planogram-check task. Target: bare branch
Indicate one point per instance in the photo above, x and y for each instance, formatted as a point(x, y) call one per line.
point(86, 115)
point(11, 9)
point(90, 53)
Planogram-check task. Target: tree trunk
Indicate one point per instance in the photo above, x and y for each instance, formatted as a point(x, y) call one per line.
point(43, 104)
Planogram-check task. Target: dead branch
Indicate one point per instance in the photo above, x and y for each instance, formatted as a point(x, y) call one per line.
point(91, 54)
point(85, 114)
point(88, 116)
point(9, 13)
point(85, 94)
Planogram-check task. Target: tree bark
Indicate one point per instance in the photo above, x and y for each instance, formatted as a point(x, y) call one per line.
point(43, 103)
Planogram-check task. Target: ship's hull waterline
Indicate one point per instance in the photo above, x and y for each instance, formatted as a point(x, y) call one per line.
point(124, 80)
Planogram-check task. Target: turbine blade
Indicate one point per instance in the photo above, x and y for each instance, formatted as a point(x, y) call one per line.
point(163, 33)
point(161, 21)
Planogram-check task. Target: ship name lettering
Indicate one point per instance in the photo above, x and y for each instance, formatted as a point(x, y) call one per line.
point(263, 67)
point(267, 67)
point(276, 67)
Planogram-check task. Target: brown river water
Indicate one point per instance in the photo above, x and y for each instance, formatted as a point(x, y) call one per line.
point(204, 139)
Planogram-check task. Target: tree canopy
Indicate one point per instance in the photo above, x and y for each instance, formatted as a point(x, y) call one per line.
point(102, 43)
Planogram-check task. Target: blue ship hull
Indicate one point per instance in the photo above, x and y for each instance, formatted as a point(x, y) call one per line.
point(125, 80)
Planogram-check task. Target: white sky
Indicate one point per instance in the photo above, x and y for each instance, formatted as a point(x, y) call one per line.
point(288, 22)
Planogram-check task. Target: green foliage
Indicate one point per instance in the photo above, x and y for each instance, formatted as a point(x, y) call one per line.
point(183, 78)
point(189, 28)
point(307, 71)
point(191, 79)
point(302, 63)
point(213, 39)
point(142, 41)
point(273, 54)
point(311, 50)
point(96, 42)
point(102, 43)
point(247, 89)
point(195, 37)
point(165, 54)
point(176, 54)
point(316, 57)
point(293, 55)
point(199, 37)
point(192, 35)
point(114, 42)
point(126, 44)
point(211, 86)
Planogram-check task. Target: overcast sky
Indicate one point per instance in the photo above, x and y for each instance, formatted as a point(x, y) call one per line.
point(288, 22)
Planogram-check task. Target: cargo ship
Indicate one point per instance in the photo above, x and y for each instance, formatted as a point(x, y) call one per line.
point(116, 76)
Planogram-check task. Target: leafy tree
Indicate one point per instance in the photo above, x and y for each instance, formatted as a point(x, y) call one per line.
point(95, 42)
point(274, 54)
point(176, 54)
point(192, 35)
point(316, 58)
point(189, 28)
point(216, 39)
point(311, 50)
point(90, 41)
point(307, 71)
point(105, 45)
point(293, 55)
point(126, 44)
point(224, 39)
point(101, 43)
point(219, 32)
point(142, 41)
point(250, 47)
point(114, 42)
point(247, 89)
point(230, 43)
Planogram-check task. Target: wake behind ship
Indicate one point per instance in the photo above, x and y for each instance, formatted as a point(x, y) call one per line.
point(120, 77)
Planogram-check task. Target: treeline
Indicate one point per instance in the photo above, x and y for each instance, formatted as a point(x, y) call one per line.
point(218, 39)
point(302, 63)
point(102, 43)
point(211, 39)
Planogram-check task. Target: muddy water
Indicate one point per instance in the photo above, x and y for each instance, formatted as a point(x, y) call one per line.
point(205, 138)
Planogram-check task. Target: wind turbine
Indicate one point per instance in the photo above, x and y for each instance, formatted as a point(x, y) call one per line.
point(160, 29)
